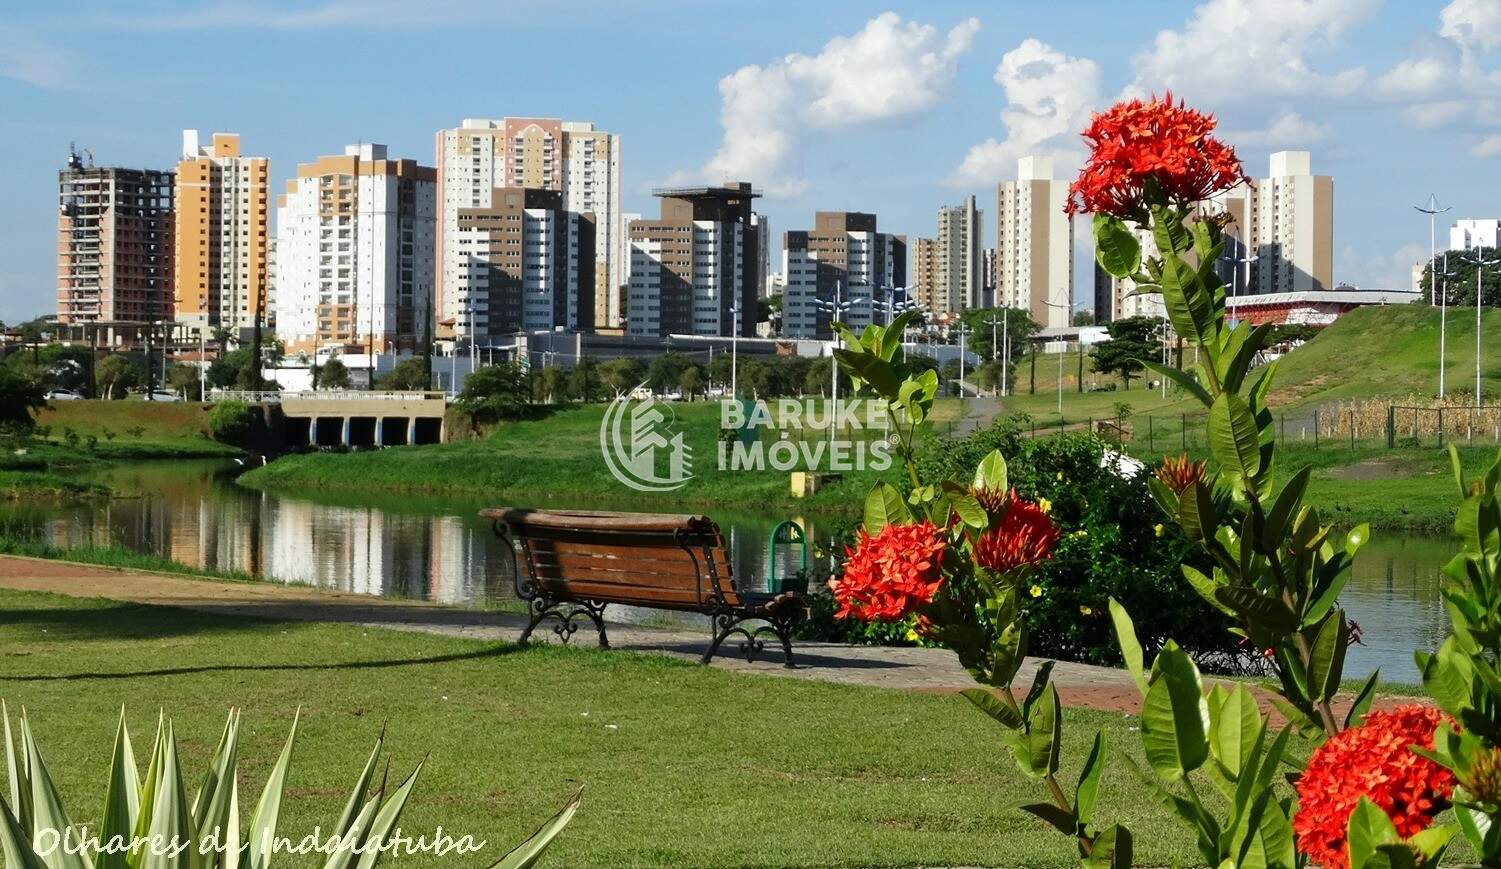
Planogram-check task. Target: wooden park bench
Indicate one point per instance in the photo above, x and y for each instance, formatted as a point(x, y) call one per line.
point(572, 563)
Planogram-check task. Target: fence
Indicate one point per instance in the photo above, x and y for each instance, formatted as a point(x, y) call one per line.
point(1349, 425)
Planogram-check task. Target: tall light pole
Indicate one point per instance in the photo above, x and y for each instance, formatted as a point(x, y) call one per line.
point(1480, 263)
point(1060, 354)
point(995, 349)
point(1433, 211)
point(835, 307)
point(734, 351)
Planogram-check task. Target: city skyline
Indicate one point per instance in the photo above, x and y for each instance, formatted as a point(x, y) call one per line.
point(966, 96)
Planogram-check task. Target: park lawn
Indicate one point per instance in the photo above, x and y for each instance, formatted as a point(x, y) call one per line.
point(134, 429)
point(682, 765)
point(44, 485)
point(558, 458)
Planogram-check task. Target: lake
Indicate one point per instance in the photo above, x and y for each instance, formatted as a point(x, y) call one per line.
point(439, 549)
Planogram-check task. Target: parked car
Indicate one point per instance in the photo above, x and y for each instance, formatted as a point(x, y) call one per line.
point(63, 395)
point(161, 395)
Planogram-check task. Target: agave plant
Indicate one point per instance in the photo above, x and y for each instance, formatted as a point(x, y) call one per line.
point(143, 819)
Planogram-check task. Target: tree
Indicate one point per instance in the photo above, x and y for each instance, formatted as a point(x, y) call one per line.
point(1131, 340)
point(719, 369)
point(21, 396)
point(551, 385)
point(948, 373)
point(815, 380)
point(622, 375)
point(496, 391)
point(664, 371)
point(406, 375)
point(230, 422)
point(691, 381)
point(1461, 266)
point(978, 321)
point(584, 382)
point(1084, 318)
point(231, 369)
point(331, 375)
point(117, 372)
point(182, 378)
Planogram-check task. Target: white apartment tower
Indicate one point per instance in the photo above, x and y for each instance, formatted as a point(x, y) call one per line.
point(960, 271)
point(696, 270)
point(844, 258)
point(482, 155)
point(354, 252)
point(1035, 244)
point(1281, 233)
point(1469, 234)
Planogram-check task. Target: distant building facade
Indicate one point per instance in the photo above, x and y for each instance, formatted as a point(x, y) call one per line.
point(922, 272)
point(1467, 234)
point(222, 236)
point(1035, 244)
point(960, 259)
point(355, 246)
point(1283, 225)
point(696, 270)
point(114, 244)
point(583, 163)
point(842, 258)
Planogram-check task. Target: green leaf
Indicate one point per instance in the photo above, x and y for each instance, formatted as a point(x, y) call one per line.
point(883, 506)
point(1059, 818)
point(1175, 716)
point(1459, 474)
point(993, 706)
point(47, 805)
point(1233, 438)
point(1283, 509)
point(1043, 739)
point(1205, 587)
point(263, 821)
point(1125, 637)
point(1182, 378)
point(969, 510)
point(121, 799)
point(171, 817)
point(356, 801)
point(1089, 779)
point(385, 819)
point(991, 474)
point(16, 843)
point(211, 805)
point(1112, 849)
point(1327, 657)
point(1356, 716)
point(1116, 247)
point(1368, 828)
point(1234, 730)
point(1263, 610)
point(529, 852)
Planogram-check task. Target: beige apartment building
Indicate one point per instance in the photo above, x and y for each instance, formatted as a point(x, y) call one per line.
point(1034, 252)
point(114, 244)
point(923, 271)
point(354, 252)
point(961, 268)
point(1283, 225)
point(221, 235)
point(582, 163)
point(845, 259)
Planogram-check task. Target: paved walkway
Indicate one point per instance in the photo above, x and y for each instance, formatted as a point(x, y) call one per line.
point(902, 668)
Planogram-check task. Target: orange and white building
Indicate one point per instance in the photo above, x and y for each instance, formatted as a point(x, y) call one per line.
point(480, 157)
point(354, 253)
point(222, 229)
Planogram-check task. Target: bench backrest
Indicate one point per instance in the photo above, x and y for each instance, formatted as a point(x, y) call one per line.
point(647, 559)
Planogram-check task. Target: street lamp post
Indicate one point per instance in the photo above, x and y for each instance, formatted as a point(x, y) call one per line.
point(1433, 211)
point(1060, 355)
point(734, 351)
point(835, 307)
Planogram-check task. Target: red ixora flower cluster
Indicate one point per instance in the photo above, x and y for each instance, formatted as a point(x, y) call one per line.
point(888, 576)
point(1135, 140)
point(1023, 536)
point(1375, 761)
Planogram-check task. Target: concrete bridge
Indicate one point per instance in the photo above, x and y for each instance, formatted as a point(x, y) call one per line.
point(351, 418)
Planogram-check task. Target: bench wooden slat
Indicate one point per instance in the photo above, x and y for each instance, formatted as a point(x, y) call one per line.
point(625, 572)
point(599, 520)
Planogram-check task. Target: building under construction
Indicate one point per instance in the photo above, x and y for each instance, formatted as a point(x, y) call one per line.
point(114, 243)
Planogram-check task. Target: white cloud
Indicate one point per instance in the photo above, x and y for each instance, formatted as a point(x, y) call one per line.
point(1049, 96)
point(1472, 23)
point(1428, 115)
point(1245, 49)
point(889, 69)
point(1289, 130)
point(1489, 146)
point(1416, 77)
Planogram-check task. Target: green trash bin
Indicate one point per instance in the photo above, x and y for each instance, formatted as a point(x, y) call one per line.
point(787, 540)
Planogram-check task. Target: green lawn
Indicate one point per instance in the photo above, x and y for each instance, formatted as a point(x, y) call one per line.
point(683, 765)
point(135, 429)
point(559, 458)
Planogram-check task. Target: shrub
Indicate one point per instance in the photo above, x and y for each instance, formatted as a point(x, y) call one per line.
point(230, 422)
point(1108, 549)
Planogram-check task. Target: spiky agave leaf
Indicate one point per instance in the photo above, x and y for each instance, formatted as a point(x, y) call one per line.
point(48, 813)
point(20, 779)
point(263, 821)
point(171, 821)
point(357, 796)
point(211, 804)
point(385, 819)
point(146, 805)
point(122, 800)
point(15, 844)
point(354, 836)
point(529, 852)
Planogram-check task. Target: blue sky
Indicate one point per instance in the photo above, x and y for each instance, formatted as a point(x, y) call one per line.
point(894, 108)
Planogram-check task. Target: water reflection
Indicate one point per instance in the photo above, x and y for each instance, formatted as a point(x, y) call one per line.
point(439, 549)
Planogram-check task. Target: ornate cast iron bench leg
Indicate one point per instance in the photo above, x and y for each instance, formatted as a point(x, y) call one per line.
point(725, 624)
point(567, 615)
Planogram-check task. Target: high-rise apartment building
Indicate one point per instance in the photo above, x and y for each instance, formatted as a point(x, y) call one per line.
point(851, 263)
point(531, 263)
point(222, 233)
point(922, 272)
point(483, 155)
point(1035, 244)
point(114, 244)
point(1467, 234)
point(354, 252)
point(1281, 231)
point(960, 260)
point(696, 270)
